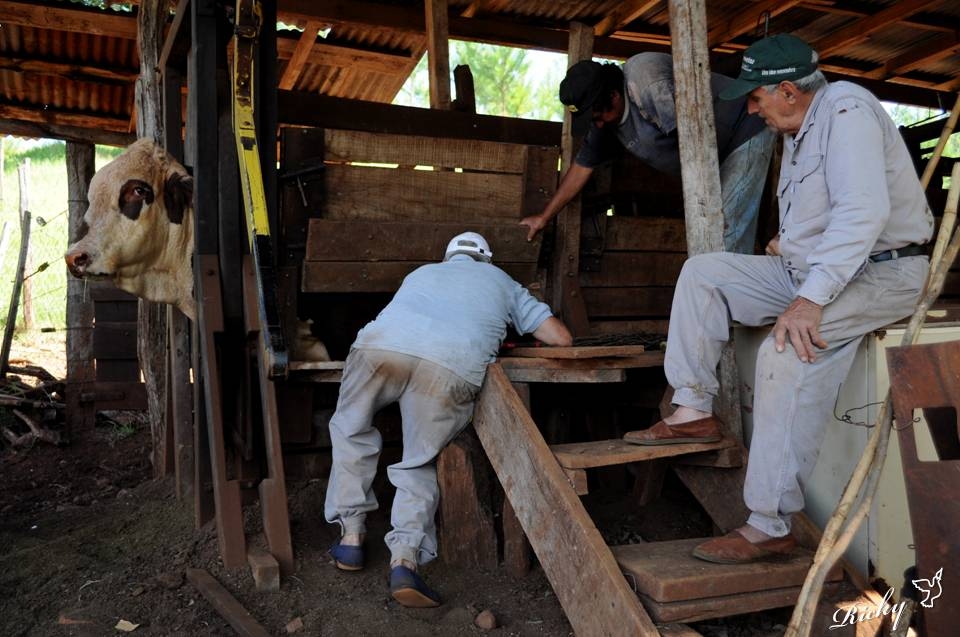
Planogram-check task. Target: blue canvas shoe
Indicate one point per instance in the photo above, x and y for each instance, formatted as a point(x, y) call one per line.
point(410, 590)
point(347, 558)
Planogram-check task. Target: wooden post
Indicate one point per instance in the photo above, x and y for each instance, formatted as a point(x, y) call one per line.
point(152, 317)
point(466, 100)
point(15, 292)
point(24, 173)
point(80, 161)
point(438, 52)
point(566, 294)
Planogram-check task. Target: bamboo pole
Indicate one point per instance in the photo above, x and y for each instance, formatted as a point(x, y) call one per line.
point(941, 144)
point(866, 475)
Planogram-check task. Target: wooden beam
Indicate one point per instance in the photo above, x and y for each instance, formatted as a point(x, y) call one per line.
point(60, 18)
point(746, 20)
point(585, 577)
point(301, 109)
point(82, 133)
point(438, 53)
point(347, 57)
point(622, 15)
point(301, 55)
point(67, 71)
point(411, 21)
point(860, 30)
point(177, 42)
point(52, 117)
point(225, 604)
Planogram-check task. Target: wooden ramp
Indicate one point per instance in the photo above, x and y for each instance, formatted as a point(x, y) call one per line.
point(626, 589)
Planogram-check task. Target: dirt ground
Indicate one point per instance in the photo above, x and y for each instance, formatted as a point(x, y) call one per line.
point(88, 538)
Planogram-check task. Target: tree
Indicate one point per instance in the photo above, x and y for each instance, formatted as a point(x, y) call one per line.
point(507, 81)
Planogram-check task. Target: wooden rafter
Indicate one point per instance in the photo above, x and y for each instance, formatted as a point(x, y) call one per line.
point(300, 55)
point(49, 116)
point(624, 14)
point(347, 57)
point(860, 30)
point(68, 71)
point(746, 20)
point(438, 51)
point(89, 21)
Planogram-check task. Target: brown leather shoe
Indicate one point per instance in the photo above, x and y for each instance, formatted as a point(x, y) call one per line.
point(701, 430)
point(733, 548)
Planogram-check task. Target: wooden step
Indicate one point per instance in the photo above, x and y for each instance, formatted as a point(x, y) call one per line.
point(604, 453)
point(675, 586)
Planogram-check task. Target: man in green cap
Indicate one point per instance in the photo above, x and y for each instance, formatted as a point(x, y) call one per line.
point(850, 258)
point(634, 108)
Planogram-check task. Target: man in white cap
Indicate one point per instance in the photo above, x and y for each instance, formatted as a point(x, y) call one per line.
point(428, 350)
point(849, 258)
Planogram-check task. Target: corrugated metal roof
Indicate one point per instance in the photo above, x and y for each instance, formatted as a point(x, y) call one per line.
point(63, 65)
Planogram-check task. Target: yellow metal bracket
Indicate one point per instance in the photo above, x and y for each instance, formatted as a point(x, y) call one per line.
point(249, 19)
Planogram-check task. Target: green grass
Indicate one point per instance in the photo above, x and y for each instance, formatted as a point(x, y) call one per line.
point(47, 201)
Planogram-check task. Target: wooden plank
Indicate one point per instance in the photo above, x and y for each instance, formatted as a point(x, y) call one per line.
point(332, 240)
point(346, 57)
point(859, 30)
point(541, 175)
point(729, 458)
point(116, 395)
point(533, 375)
point(392, 194)
point(76, 20)
point(516, 363)
point(668, 572)
point(626, 269)
point(438, 52)
point(649, 326)
point(713, 607)
point(115, 311)
point(115, 340)
point(579, 353)
point(352, 276)
point(579, 565)
point(310, 109)
point(623, 15)
point(300, 55)
point(719, 492)
point(630, 301)
point(420, 150)
point(467, 535)
point(225, 604)
point(604, 453)
point(122, 370)
point(80, 312)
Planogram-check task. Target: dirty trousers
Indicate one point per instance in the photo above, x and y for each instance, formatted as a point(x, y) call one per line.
point(742, 177)
point(435, 405)
point(793, 401)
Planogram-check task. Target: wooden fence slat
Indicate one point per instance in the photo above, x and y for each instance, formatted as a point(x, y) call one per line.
point(655, 234)
point(630, 301)
point(331, 240)
point(384, 276)
point(626, 269)
point(415, 150)
point(361, 192)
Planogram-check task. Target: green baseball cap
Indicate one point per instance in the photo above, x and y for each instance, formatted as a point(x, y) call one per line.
point(771, 61)
point(579, 90)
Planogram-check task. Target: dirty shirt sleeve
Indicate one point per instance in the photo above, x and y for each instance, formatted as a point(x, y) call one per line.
point(527, 313)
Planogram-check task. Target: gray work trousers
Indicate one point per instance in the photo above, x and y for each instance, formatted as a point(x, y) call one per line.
point(743, 175)
point(793, 400)
point(435, 405)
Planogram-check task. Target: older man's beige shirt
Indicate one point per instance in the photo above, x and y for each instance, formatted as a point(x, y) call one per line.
point(848, 189)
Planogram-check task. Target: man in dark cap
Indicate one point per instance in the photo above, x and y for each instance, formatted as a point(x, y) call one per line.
point(634, 108)
point(849, 259)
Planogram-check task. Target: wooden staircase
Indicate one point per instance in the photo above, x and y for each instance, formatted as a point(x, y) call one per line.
point(619, 590)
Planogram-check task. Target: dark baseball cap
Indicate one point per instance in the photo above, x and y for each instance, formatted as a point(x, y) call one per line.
point(771, 61)
point(580, 90)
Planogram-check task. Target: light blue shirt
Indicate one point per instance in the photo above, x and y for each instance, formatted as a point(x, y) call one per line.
point(848, 189)
point(454, 314)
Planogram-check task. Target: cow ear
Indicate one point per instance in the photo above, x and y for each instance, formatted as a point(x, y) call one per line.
point(177, 196)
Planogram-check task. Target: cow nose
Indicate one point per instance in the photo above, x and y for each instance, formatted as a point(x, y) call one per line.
point(77, 263)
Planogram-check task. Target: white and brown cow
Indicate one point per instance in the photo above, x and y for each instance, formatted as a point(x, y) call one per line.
point(139, 227)
point(140, 234)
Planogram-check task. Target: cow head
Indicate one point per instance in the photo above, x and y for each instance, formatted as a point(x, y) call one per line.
point(139, 227)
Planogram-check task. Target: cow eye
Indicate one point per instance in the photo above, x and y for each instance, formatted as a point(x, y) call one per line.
point(141, 191)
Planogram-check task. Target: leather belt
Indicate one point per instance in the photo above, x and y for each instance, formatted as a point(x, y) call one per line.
point(906, 251)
